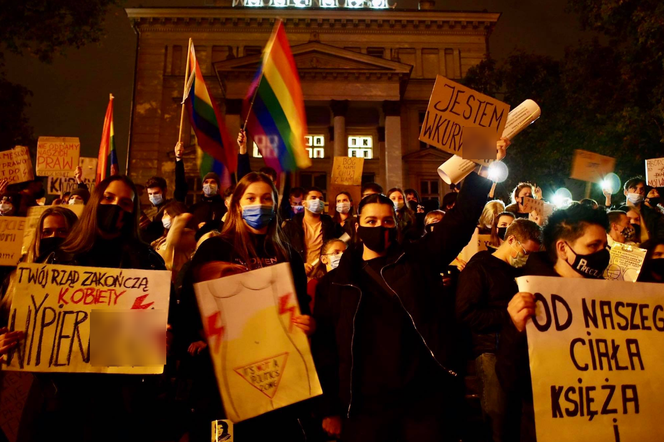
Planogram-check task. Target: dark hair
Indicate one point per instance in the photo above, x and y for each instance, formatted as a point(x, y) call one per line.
point(313, 189)
point(614, 217)
point(589, 202)
point(633, 182)
point(570, 223)
point(376, 198)
point(236, 232)
point(84, 234)
point(449, 199)
point(336, 217)
point(174, 208)
point(646, 274)
point(375, 187)
point(156, 181)
point(70, 220)
point(269, 172)
point(495, 239)
point(320, 270)
point(525, 230)
point(517, 190)
point(413, 192)
point(405, 215)
point(296, 192)
point(229, 191)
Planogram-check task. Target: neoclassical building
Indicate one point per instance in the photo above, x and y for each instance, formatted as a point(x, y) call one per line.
point(367, 71)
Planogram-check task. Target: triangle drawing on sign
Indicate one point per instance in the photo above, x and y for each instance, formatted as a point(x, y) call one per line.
point(265, 375)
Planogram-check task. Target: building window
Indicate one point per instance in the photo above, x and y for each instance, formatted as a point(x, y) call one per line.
point(376, 52)
point(328, 3)
point(252, 50)
point(315, 145)
point(360, 146)
point(314, 179)
point(265, 145)
point(253, 3)
point(355, 4)
point(429, 190)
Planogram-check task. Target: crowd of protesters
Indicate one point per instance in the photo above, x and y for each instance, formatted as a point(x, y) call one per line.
point(393, 329)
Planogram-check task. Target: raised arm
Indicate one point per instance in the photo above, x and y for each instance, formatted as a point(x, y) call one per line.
point(181, 188)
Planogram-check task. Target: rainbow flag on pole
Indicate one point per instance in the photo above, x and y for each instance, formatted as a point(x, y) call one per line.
point(208, 123)
point(108, 156)
point(274, 107)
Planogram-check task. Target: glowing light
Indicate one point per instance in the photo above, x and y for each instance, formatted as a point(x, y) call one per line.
point(498, 172)
point(328, 3)
point(562, 198)
point(253, 3)
point(354, 4)
point(611, 182)
point(279, 3)
point(379, 4)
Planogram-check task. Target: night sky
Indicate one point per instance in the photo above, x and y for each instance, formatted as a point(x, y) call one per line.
point(71, 94)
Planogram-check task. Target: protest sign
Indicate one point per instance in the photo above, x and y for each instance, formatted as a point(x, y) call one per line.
point(347, 170)
point(452, 107)
point(596, 359)
point(57, 156)
point(12, 230)
point(590, 166)
point(261, 360)
point(520, 118)
point(543, 209)
point(56, 306)
point(60, 185)
point(655, 172)
point(32, 223)
point(478, 243)
point(626, 262)
point(16, 165)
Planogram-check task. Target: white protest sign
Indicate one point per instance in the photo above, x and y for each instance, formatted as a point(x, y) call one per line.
point(55, 306)
point(543, 209)
point(261, 360)
point(60, 185)
point(591, 166)
point(57, 156)
point(16, 165)
point(478, 243)
point(596, 359)
point(32, 222)
point(12, 229)
point(626, 262)
point(655, 172)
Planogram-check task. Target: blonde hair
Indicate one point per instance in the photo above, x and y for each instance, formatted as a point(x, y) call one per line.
point(491, 209)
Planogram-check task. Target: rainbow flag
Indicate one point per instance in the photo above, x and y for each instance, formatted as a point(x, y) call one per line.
point(274, 107)
point(108, 156)
point(207, 164)
point(208, 124)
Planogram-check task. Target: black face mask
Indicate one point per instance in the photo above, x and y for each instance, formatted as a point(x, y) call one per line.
point(108, 216)
point(413, 205)
point(657, 267)
point(636, 236)
point(501, 232)
point(377, 238)
point(429, 228)
point(592, 265)
point(49, 245)
point(654, 201)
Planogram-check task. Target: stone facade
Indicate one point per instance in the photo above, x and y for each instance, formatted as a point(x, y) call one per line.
point(364, 72)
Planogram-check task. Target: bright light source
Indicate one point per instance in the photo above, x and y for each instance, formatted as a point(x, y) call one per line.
point(562, 198)
point(611, 182)
point(498, 172)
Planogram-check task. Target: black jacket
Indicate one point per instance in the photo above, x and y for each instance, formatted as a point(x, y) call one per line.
point(208, 209)
point(413, 275)
point(294, 231)
point(484, 289)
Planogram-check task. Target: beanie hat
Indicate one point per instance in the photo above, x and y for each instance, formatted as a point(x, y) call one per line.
point(211, 176)
point(83, 193)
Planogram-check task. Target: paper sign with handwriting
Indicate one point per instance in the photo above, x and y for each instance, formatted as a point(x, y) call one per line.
point(60, 185)
point(347, 170)
point(56, 306)
point(626, 262)
point(57, 156)
point(16, 165)
point(590, 166)
point(655, 172)
point(11, 237)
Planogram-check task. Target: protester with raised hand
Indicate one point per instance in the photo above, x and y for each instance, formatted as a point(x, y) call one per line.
point(575, 244)
point(79, 195)
point(484, 289)
point(520, 192)
point(385, 338)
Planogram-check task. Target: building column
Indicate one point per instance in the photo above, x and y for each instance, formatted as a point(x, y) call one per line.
point(393, 155)
point(339, 109)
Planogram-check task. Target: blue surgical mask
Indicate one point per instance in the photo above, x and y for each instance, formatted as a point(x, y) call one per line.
point(257, 215)
point(343, 207)
point(209, 189)
point(315, 206)
point(334, 260)
point(156, 199)
point(634, 198)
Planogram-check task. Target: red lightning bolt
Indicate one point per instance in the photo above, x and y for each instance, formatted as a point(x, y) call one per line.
point(214, 330)
point(138, 303)
point(284, 308)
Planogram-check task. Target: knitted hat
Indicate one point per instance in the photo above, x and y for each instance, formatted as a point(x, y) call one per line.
point(83, 193)
point(211, 176)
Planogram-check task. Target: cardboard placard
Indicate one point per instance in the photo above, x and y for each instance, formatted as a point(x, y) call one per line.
point(60, 185)
point(595, 350)
point(57, 156)
point(452, 107)
point(478, 243)
point(626, 262)
point(55, 305)
point(655, 172)
point(12, 229)
point(32, 222)
point(590, 166)
point(347, 170)
point(261, 360)
point(16, 165)
point(520, 118)
point(543, 209)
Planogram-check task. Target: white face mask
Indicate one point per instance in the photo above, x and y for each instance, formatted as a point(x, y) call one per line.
point(634, 198)
point(5, 208)
point(334, 260)
point(209, 189)
point(343, 207)
point(398, 205)
point(166, 223)
point(315, 206)
point(75, 201)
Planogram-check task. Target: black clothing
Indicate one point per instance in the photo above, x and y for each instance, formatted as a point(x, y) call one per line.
point(514, 208)
point(155, 229)
point(294, 231)
point(209, 208)
point(412, 273)
point(484, 289)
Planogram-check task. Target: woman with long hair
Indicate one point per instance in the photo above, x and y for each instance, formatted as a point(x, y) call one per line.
point(499, 226)
point(406, 223)
point(491, 209)
point(344, 213)
point(251, 239)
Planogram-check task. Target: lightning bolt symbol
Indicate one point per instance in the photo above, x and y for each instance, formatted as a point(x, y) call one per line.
point(138, 303)
point(214, 330)
point(284, 308)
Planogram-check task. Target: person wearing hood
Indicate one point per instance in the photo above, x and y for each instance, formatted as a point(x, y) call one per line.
point(79, 195)
point(485, 287)
point(211, 207)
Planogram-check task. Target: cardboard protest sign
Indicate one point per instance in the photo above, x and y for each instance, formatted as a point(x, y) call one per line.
point(12, 229)
point(57, 156)
point(543, 209)
point(60, 185)
point(16, 165)
point(655, 172)
point(261, 360)
point(347, 170)
point(626, 262)
point(453, 107)
point(56, 306)
point(596, 359)
point(32, 223)
point(590, 166)
point(520, 118)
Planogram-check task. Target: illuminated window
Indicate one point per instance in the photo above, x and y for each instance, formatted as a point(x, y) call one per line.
point(279, 3)
point(328, 3)
point(377, 4)
point(355, 4)
point(301, 3)
point(253, 3)
point(360, 146)
point(315, 146)
point(266, 145)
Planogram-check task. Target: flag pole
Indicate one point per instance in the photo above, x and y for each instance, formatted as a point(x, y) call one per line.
point(184, 89)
